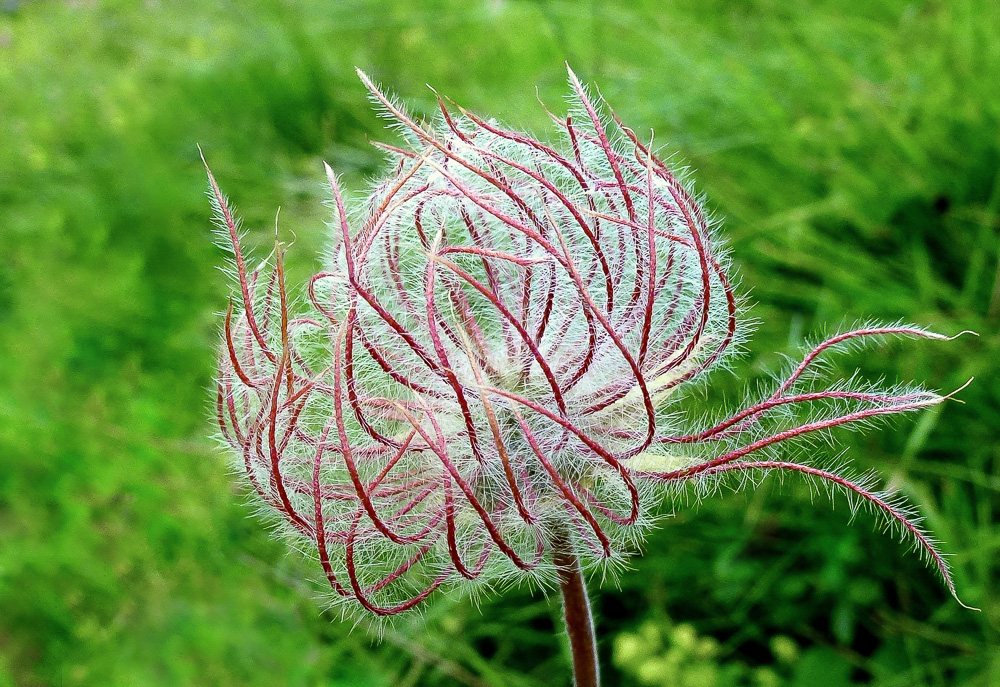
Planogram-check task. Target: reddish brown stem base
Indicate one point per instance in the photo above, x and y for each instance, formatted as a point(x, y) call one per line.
point(579, 620)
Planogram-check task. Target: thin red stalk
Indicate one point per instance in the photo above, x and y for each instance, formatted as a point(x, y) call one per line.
point(577, 614)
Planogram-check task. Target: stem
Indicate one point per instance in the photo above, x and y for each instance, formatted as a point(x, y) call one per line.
point(579, 621)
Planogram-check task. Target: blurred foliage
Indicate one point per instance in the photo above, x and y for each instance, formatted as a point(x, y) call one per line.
point(852, 149)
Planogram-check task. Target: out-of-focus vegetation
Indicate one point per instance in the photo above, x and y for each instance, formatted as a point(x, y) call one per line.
point(853, 149)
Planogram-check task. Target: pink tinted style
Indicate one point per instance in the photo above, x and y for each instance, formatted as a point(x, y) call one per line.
point(492, 365)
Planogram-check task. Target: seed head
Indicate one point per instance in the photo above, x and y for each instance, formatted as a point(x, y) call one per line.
point(492, 365)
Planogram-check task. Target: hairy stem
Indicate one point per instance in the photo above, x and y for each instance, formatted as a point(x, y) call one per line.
point(576, 610)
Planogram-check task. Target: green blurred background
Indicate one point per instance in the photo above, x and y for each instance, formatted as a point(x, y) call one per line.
point(852, 148)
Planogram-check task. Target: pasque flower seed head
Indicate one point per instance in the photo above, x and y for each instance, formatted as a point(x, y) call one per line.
point(490, 365)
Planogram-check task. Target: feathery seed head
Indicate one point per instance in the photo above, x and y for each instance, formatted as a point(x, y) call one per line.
point(486, 368)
